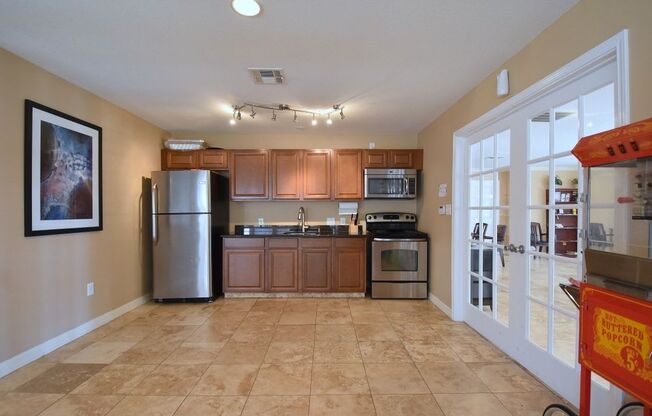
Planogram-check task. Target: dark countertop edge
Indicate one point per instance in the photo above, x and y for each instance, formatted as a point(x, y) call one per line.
point(294, 236)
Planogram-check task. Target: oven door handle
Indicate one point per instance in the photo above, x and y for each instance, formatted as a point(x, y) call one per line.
point(415, 240)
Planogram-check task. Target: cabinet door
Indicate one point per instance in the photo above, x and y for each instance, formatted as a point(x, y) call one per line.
point(347, 171)
point(282, 270)
point(316, 265)
point(213, 159)
point(178, 159)
point(375, 158)
point(349, 265)
point(287, 178)
point(249, 174)
point(406, 159)
point(244, 270)
point(317, 174)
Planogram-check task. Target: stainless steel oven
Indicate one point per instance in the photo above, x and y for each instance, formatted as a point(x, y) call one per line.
point(390, 183)
point(399, 256)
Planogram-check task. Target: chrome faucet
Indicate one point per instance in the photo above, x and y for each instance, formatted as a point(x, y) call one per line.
point(301, 217)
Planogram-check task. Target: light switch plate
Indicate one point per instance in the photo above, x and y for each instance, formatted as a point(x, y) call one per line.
point(449, 209)
point(90, 289)
point(443, 190)
point(442, 210)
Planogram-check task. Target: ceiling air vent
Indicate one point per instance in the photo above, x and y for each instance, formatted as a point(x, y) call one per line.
point(267, 75)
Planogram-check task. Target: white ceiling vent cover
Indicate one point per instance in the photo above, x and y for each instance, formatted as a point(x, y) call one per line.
point(267, 76)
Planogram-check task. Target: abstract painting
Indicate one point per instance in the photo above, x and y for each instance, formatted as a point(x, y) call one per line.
point(62, 173)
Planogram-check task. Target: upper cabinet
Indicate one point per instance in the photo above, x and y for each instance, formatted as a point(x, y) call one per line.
point(347, 174)
point(287, 175)
point(394, 158)
point(317, 174)
point(249, 174)
point(210, 159)
point(213, 159)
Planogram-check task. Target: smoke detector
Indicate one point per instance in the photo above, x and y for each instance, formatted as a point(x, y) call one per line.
point(267, 76)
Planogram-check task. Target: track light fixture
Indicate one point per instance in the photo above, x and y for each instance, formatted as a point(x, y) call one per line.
point(232, 122)
point(285, 107)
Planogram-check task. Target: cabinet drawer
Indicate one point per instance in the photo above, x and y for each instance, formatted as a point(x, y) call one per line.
point(244, 242)
point(316, 242)
point(282, 242)
point(350, 242)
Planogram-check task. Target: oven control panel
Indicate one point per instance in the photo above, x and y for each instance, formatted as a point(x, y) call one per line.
point(390, 217)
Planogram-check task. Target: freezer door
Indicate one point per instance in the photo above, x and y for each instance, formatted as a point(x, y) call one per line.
point(181, 192)
point(182, 256)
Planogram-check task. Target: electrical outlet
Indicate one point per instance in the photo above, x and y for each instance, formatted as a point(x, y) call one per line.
point(261, 221)
point(372, 145)
point(330, 221)
point(90, 289)
point(343, 221)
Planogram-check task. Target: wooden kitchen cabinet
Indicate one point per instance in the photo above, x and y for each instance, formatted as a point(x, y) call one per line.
point(349, 265)
point(393, 158)
point(316, 264)
point(179, 159)
point(347, 174)
point(282, 273)
point(249, 174)
point(244, 265)
point(317, 174)
point(213, 159)
point(287, 175)
point(375, 158)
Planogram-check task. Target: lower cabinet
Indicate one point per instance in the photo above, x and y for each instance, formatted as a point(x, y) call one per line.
point(282, 265)
point(244, 265)
point(253, 264)
point(316, 265)
point(349, 265)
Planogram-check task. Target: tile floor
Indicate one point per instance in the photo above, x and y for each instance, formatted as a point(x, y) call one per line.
point(277, 357)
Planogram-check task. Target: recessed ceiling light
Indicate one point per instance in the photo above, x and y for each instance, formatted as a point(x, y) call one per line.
point(247, 8)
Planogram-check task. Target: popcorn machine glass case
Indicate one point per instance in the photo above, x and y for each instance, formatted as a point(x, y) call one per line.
point(618, 220)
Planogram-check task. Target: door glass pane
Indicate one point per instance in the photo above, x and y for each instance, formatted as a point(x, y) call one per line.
point(538, 324)
point(474, 191)
point(502, 183)
point(474, 225)
point(502, 256)
point(566, 127)
point(475, 293)
point(488, 153)
point(502, 306)
point(602, 229)
point(489, 225)
point(567, 170)
point(563, 272)
point(539, 278)
point(503, 149)
point(564, 338)
point(474, 257)
point(539, 237)
point(476, 157)
point(610, 180)
point(399, 260)
point(539, 137)
point(539, 176)
point(488, 293)
point(488, 190)
point(599, 110)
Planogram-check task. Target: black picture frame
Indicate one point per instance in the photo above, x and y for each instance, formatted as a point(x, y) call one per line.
point(69, 199)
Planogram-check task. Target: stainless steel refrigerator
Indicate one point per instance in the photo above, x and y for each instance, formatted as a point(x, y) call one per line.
point(190, 210)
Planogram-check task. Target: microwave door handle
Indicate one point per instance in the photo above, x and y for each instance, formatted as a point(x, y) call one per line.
point(406, 191)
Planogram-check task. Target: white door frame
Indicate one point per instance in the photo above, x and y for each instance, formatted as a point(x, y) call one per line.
point(613, 49)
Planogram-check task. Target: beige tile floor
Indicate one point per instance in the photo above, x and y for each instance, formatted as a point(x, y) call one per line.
point(277, 357)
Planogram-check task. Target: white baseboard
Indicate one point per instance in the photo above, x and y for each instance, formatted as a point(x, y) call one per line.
point(34, 353)
point(441, 305)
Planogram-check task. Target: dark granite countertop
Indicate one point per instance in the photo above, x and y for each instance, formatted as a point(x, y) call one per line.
point(292, 231)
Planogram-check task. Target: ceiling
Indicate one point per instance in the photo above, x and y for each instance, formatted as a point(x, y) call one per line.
point(180, 64)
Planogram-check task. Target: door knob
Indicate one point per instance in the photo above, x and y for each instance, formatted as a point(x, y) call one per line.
point(521, 249)
point(512, 248)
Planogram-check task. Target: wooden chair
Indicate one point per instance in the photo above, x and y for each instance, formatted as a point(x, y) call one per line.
point(538, 239)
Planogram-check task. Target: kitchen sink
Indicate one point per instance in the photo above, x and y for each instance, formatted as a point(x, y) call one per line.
point(302, 233)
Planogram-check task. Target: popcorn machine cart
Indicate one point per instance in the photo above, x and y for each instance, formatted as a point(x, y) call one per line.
point(615, 296)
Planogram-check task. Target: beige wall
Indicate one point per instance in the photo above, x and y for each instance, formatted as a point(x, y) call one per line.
point(43, 279)
point(283, 212)
point(583, 27)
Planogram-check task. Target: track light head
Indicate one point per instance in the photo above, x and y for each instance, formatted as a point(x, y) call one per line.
point(273, 115)
point(232, 122)
point(342, 113)
point(253, 113)
point(328, 120)
point(239, 116)
point(295, 117)
point(314, 120)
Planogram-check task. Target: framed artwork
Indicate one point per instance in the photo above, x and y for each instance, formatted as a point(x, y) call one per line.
point(63, 173)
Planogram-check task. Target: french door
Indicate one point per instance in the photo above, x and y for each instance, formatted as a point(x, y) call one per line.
point(524, 216)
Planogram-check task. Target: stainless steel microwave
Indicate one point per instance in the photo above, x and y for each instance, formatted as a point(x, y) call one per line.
point(390, 183)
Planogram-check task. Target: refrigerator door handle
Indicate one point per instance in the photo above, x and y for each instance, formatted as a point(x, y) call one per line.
point(154, 212)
